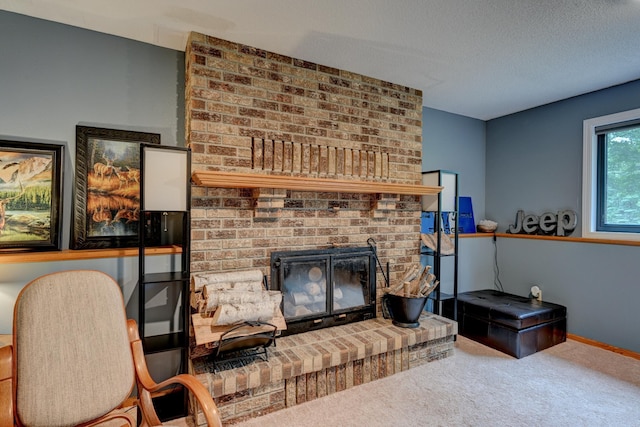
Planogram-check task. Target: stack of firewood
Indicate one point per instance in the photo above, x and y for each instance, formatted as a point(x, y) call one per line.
point(232, 297)
point(417, 282)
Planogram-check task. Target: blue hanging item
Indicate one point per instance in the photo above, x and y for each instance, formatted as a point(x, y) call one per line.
point(466, 223)
point(446, 223)
point(427, 223)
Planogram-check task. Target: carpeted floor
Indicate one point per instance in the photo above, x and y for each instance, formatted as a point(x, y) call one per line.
point(571, 384)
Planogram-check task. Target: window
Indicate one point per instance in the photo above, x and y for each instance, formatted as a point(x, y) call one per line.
point(611, 177)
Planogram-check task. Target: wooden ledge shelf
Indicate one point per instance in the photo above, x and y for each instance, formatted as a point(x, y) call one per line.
point(474, 235)
point(571, 239)
point(71, 255)
point(254, 181)
point(554, 238)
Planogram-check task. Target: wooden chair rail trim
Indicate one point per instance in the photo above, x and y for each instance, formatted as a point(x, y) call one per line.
point(250, 180)
point(554, 238)
point(570, 239)
point(70, 255)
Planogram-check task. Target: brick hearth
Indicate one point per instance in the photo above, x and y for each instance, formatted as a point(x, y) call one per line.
point(314, 364)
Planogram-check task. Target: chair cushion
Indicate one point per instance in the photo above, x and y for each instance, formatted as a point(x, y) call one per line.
point(73, 357)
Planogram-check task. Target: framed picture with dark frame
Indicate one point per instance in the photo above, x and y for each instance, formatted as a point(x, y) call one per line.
point(106, 201)
point(30, 196)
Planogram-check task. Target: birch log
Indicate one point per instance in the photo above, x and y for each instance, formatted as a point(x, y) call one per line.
point(214, 299)
point(228, 314)
point(427, 283)
point(196, 300)
point(409, 275)
point(301, 298)
point(216, 288)
point(406, 286)
point(422, 283)
point(199, 280)
point(430, 289)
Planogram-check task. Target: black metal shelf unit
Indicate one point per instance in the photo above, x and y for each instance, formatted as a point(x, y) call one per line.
point(440, 223)
point(164, 183)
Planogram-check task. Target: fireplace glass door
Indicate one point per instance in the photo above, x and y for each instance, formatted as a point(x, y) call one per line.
point(304, 287)
point(350, 283)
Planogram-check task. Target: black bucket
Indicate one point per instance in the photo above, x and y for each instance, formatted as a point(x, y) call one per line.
point(404, 311)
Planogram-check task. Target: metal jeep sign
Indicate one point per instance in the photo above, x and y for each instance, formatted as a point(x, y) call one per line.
point(561, 224)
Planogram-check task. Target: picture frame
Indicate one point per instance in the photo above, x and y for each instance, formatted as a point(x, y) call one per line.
point(106, 200)
point(30, 196)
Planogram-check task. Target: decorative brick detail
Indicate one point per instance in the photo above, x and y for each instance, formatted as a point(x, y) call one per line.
point(314, 364)
point(318, 160)
point(268, 203)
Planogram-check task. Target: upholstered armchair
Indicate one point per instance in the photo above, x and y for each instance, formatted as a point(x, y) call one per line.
point(75, 358)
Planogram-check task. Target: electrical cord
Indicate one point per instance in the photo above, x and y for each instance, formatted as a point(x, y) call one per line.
point(496, 270)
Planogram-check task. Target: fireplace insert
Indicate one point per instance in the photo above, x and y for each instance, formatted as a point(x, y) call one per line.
point(324, 287)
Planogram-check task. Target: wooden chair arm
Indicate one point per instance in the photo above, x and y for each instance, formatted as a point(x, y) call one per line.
point(146, 384)
point(126, 418)
point(6, 386)
point(199, 391)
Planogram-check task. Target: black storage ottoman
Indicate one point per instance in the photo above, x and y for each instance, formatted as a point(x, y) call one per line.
point(515, 325)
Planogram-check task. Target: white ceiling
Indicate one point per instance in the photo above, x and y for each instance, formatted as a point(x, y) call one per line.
point(478, 58)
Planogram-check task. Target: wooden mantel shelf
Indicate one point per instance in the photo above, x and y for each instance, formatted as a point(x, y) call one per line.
point(248, 180)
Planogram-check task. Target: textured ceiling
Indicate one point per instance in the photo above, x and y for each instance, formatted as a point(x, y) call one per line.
point(478, 58)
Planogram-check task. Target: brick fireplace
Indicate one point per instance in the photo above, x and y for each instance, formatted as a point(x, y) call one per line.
point(335, 123)
point(254, 113)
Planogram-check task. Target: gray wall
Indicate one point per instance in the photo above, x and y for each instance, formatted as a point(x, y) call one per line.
point(598, 284)
point(534, 163)
point(54, 77)
point(534, 158)
point(457, 143)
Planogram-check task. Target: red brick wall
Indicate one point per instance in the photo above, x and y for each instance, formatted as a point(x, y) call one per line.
point(237, 93)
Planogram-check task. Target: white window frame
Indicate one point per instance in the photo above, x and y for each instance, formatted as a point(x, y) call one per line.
point(590, 175)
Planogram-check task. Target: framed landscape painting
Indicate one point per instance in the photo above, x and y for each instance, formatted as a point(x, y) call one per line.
point(30, 196)
point(106, 210)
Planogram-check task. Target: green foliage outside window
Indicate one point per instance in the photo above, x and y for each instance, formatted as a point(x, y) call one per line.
point(622, 179)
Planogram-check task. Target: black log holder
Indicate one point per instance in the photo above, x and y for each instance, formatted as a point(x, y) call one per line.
point(243, 348)
point(404, 311)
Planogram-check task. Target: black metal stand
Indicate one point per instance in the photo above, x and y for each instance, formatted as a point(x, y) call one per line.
point(439, 299)
point(372, 243)
point(232, 349)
